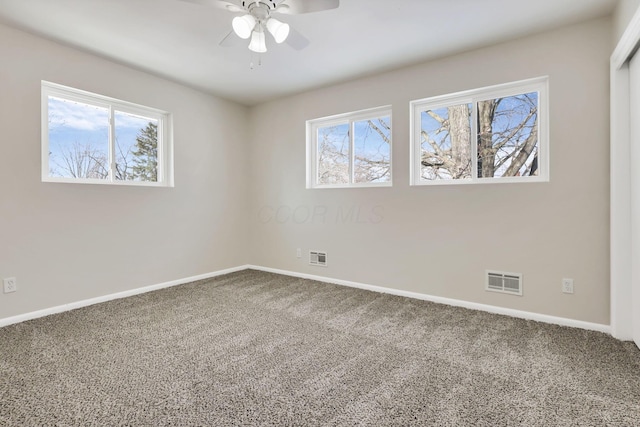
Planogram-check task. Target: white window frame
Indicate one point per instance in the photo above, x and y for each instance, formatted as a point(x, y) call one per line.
point(539, 85)
point(165, 134)
point(338, 119)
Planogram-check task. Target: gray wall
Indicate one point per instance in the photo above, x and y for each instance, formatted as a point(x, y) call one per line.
point(440, 240)
point(69, 242)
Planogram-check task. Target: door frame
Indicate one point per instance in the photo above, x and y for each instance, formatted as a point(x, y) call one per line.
point(620, 183)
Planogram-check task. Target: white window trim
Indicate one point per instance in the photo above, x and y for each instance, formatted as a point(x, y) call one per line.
point(350, 118)
point(165, 134)
point(539, 84)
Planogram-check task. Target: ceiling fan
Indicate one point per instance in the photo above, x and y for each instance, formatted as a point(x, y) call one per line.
point(256, 20)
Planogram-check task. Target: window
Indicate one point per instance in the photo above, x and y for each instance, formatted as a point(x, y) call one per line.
point(88, 138)
point(495, 134)
point(350, 150)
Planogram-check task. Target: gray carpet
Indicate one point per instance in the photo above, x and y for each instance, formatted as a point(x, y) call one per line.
point(254, 348)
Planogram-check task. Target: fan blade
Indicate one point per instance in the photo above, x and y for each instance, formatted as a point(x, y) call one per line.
point(232, 40)
point(296, 40)
point(296, 7)
point(220, 4)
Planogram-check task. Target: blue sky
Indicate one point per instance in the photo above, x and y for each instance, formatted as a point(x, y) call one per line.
point(367, 144)
point(510, 113)
point(73, 124)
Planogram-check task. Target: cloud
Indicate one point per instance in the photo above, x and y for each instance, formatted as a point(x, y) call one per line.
point(85, 117)
point(131, 121)
point(76, 115)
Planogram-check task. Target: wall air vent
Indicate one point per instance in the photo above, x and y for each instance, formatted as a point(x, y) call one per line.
point(508, 283)
point(318, 258)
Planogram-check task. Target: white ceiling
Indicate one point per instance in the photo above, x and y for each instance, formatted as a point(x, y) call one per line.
point(179, 40)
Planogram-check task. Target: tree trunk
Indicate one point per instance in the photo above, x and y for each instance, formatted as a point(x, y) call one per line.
point(486, 152)
point(460, 133)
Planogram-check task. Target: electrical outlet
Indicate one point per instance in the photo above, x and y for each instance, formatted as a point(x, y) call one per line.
point(10, 285)
point(298, 253)
point(567, 286)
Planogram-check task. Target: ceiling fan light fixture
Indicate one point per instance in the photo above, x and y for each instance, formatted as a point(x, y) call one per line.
point(243, 25)
point(258, 43)
point(279, 30)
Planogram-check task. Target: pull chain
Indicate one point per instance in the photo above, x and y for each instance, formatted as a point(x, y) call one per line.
point(251, 64)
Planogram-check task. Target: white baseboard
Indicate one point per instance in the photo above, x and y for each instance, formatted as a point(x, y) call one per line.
point(84, 303)
point(441, 300)
point(562, 321)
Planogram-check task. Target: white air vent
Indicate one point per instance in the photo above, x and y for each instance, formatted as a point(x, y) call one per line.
point(318, 258)
point(508, 283)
